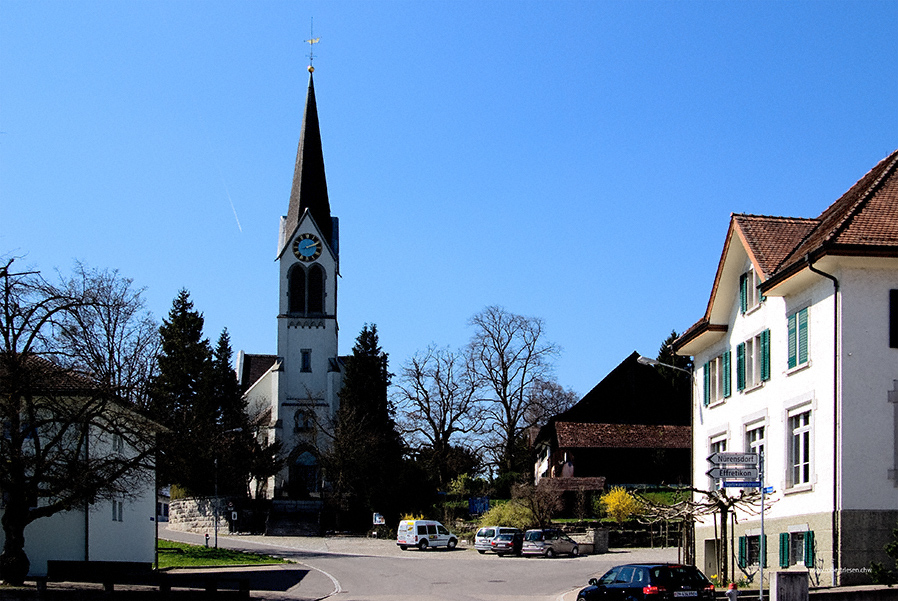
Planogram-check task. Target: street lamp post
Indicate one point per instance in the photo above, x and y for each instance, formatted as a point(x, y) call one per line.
point(655, 363)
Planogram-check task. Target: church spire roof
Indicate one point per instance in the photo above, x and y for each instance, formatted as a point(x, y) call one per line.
point(309, 184)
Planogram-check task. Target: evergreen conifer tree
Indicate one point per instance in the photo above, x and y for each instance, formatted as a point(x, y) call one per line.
point(234, 440)
point(181, 399)
point(365, 461)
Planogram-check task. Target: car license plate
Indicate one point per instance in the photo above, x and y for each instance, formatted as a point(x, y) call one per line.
point(685, 593)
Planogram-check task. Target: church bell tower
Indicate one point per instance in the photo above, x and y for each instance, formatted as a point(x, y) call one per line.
point(308, 256)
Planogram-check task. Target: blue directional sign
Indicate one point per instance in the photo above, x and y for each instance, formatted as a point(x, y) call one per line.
point(732, 484)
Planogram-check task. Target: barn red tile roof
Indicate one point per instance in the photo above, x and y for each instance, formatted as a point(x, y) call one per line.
point(771, 239)
point(574, 435)
point(864, 220)
point(573, 483)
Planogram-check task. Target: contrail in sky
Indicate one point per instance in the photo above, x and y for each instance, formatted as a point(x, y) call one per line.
point(237, 219)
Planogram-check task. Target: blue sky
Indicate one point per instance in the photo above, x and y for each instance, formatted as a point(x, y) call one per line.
point(574, 161)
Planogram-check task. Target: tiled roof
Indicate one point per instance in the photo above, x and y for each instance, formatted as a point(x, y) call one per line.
point(45, 376)
point(862, 222)
point(254, 367)
point(631, 393)
point(771, 239)
point(573, 483)
point(864, 219)
point(573, 435)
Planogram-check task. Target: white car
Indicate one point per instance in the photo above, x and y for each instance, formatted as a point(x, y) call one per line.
point(485, 536)
point(424, 534)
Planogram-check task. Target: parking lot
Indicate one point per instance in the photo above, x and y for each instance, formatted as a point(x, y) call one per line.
point(367, 569)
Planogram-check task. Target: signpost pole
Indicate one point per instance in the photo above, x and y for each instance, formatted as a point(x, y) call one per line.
point(763, 541)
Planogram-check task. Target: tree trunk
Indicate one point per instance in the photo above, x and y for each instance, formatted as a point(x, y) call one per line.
point(723, 559)
point(14, 564)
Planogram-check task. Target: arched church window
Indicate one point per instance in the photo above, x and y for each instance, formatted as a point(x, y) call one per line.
point(304, 476)
point(297, 290)
point(316, 289)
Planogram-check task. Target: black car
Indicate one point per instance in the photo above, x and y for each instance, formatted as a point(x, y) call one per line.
point(650, 581)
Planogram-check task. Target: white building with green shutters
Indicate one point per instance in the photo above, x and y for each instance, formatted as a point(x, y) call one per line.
point(797, 358)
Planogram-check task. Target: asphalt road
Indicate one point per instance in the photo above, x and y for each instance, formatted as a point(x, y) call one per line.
point(361, 569)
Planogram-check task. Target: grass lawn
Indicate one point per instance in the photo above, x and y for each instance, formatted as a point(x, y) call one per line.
point(181, 555)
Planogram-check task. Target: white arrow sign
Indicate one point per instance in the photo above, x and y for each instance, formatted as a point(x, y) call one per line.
point(741, 473)
point(727, 458)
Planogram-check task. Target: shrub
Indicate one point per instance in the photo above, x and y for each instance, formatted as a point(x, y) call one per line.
point(881, 574)
point(511, 513)
point(619, 504)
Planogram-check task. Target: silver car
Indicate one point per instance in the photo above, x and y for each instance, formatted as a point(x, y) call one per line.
point(549, 542)
point(485, 536)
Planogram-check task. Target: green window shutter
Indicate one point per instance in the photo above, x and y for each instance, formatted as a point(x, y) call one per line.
point(727, 375)
point(765, 355)
point(802, 336)
point(743, 292)
point(809, 549)
point(707, 370)
point(740, 366)
point(743, 551)
point(793, 347)
point(764, 551)
point(784, 549)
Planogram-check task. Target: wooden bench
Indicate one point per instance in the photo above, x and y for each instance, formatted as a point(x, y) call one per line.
point(110, 573)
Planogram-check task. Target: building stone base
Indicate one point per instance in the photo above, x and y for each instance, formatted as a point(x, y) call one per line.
point(864, 535)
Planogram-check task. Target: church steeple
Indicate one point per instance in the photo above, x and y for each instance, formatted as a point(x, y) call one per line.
point(309, 183)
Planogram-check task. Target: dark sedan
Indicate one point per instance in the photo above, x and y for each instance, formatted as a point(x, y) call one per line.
point(649, 581)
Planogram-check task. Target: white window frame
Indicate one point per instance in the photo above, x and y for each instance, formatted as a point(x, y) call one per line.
point(800, 448)
point(118, 508)
point(716, 444)
point(756, 442)
point(718, 379)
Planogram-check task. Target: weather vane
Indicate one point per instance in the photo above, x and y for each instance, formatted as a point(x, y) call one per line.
point(312, 40)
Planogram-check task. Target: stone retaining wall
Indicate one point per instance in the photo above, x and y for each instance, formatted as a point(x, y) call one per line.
point(197, 515)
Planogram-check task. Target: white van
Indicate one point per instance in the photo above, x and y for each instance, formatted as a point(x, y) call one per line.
point(423, 534)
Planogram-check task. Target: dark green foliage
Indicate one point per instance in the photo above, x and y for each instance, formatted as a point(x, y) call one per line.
point(212, 444)
point(444, 466)
point(234, 435)
point(881, 574)
point(679, 380)
point(181, 398)
point(364, 463)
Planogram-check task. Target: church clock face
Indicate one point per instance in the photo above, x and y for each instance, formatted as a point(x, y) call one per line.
point(307, 247)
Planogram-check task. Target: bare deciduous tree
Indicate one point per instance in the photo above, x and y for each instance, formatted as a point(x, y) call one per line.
point(68, 439)
point(509, 355)
point(547, 399)
point(542, 501)
point(113, 337)
point(437, 403)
